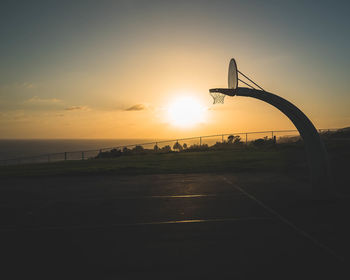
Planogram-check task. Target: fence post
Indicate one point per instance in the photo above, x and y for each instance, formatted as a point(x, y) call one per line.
point(65, 155)
point(272, 134)
point(222, 138)
point(200, 141)
point(82, 155)
point(246, 138)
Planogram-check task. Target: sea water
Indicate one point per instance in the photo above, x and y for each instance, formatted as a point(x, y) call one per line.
point(27, 148)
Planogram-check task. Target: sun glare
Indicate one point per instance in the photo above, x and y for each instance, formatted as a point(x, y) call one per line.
point(185, 112)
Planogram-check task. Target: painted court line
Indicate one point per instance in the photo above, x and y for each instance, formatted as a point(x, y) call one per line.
point(287, 222)
point(82, 199)
point(43, 228)
point(164, 196)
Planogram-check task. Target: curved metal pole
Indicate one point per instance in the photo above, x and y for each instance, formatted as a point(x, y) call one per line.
point(321, 180)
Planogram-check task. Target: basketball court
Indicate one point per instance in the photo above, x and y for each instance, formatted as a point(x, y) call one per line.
point(216, 226)
point(184, 225)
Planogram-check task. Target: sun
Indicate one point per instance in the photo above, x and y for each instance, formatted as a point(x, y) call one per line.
point(185, 112)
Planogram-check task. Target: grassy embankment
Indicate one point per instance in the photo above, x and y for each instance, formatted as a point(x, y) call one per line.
point(279, 159)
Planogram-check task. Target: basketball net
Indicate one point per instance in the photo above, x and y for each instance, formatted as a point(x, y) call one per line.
point(218, 98)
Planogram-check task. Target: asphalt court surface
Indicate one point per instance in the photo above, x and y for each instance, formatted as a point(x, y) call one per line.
point(181, 225)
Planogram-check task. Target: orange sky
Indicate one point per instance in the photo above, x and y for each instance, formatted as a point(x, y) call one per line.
point(81, 82)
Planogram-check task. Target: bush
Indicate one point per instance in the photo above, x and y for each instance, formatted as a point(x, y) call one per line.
point(138, 150)
point(263, 142)
point(126, 151)
point(166, 149)
point(197, 148)
point(110, 154)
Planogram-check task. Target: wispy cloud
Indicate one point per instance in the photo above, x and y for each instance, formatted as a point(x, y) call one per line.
point(28, 85)
point(76, 108)
point(39, 100)
point(137, 107)
point(18, 85)
point(17, 115)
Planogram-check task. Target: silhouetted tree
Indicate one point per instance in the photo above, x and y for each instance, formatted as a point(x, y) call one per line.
point(184, 146)
point(230, 139)
point(237, 139)
point(177, 146)
point(156, 148)
point(234, 139)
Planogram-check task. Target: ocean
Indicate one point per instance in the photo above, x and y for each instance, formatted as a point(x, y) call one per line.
point(10, 149)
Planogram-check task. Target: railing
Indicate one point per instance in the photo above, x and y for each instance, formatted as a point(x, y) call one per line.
point(246, 137)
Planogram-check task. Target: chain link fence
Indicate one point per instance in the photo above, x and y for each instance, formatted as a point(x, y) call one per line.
point(279, 136)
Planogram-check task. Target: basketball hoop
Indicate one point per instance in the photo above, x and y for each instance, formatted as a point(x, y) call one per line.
point(220, 93)
point(219, 97)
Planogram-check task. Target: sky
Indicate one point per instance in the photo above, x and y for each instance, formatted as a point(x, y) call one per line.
point(118, 69)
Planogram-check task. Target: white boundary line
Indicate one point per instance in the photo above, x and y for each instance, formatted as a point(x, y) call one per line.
point(72, 227)
point(287, 222)
point(111, 198)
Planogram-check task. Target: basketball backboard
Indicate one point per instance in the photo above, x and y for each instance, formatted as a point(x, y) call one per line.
point(232, 74)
